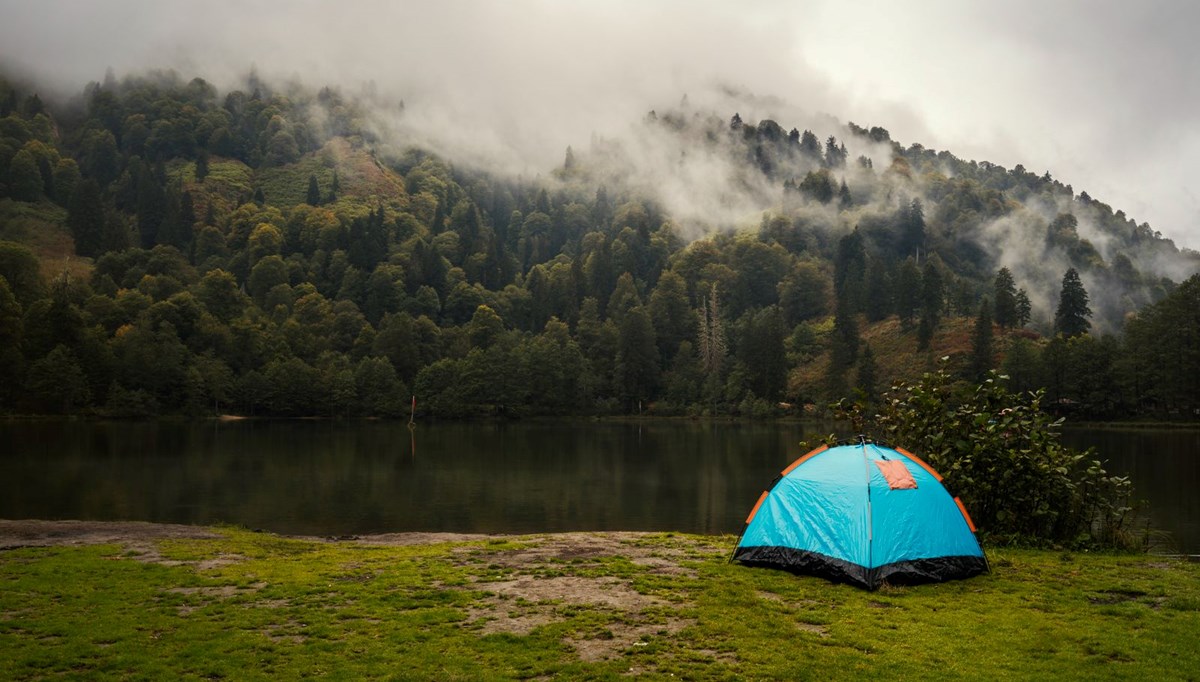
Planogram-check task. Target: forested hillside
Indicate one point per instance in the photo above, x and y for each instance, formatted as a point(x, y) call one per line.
point(167, 248)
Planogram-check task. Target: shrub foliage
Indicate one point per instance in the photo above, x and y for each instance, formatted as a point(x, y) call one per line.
point(1000, 452)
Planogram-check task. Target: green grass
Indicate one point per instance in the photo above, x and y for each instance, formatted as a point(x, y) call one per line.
point(255, 606)
point(41, 226)
point(288, 185)
point(364, 183)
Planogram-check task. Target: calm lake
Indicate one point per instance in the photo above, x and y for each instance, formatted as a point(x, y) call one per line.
point(339, 478)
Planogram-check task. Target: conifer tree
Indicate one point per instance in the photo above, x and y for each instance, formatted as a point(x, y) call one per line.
point(867, 380)
point(908, 291)
point(151, 206)
point(1024, 308)
point(845, 336)
point(932, 303)
point(879, 293)
point(981, 342)
point(810, 146)
point(849, 271)
point(1005, 291)
point(335, 187)
point(85, 219)
point(313, 198)
point(912, 229)
point(176, 227)
point(201, 165)
point(1071, 318)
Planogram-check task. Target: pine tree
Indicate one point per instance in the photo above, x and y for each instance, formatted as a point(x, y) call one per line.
point(835, 156)
point(1024, 308)
point(201, 165)
point(151, 206)
point(116, 232)
point(810, 146)
point(925, 329)
point(845, 336)
point(85, 219)
point(982, 352)
point(313, 198)
point(844, 198)
point(908, 291)
point(173, 230)
point(867, 381)
point(912, 229)
point(1005, 291)
point(335, 187)
point(932, 304)
point(879, 293)
point(849, 272)
point(1071, 318)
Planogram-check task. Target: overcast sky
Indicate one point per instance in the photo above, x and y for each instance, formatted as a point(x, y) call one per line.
point(1102, 94)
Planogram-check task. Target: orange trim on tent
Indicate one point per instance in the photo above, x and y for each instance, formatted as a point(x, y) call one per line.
point(961, 508)
point(756, 506)
point(920, 461)
point(791, 467)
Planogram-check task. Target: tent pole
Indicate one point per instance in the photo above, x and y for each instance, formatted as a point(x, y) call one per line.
point(870, 515)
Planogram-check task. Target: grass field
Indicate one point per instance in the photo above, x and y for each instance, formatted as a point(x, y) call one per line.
point(41, 227)
point(137, 601)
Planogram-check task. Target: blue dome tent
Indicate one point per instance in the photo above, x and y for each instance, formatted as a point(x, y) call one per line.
point(862, 513)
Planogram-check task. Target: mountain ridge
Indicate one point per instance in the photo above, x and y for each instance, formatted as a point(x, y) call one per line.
point(269, 232)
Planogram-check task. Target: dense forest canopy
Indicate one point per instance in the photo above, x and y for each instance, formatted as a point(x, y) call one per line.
point(166, 247)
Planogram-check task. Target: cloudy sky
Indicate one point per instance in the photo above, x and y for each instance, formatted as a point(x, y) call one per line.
point(1102, 94)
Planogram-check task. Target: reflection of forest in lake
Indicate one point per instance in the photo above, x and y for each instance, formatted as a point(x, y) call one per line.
point(332, 478)
point(1164, 465)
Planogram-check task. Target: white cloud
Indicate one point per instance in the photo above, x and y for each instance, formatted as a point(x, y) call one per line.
point(1100, 94)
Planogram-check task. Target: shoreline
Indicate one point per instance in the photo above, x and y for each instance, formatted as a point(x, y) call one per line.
point(606, 418)
point(21, 533)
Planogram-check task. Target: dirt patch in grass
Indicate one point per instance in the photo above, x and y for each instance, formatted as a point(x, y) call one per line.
point(131, 534)
point(614, 641)
point(407, 539)
point(542, 579)
point(535, 580)
point(140, 540)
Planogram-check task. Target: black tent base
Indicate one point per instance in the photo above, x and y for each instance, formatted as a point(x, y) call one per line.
point(916, 571)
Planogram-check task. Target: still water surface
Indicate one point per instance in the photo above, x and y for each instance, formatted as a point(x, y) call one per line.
point(330, 478)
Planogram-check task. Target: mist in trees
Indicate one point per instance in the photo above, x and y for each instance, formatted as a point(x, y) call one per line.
point(243, 254)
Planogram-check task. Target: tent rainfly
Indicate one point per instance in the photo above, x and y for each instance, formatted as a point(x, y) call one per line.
point(862, 513)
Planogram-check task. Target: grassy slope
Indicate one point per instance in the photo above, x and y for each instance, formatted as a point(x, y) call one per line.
point(253, 606)
point(896, 354)
point(41, 226)
point(363, 181)
point(364, 184)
